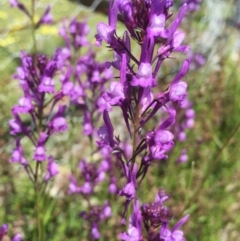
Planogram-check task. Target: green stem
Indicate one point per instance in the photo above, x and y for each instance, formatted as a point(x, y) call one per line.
point(33, 29)
point(38, 210)
point(195, 195)
point(136, 124)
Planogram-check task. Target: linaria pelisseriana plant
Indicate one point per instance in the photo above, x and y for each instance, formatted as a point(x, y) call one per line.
point(145, 23)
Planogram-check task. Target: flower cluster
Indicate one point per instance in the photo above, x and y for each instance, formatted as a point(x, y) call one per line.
point(145, 22)
point(155, 217)
point(83, 77)
point(96, 215)
point(37, 115)
point(83, 82)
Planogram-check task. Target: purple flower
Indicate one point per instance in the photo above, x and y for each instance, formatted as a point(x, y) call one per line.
point(106, 132)
point(95, 232)
point(40, 151)
point(105, 33)
point(13, 3)
point(73, 187)
point(17, 154)
point(161, 140)
point(116, 95)
point(144, 76)
point(24, 106)
point(156, 25)
point(129, 190)
point(52, 169)
point(16, 3)
point(87, 125)
point(58, 123)
point(183, 157)
point(16, 126)
point(134, 232)
point(47, 85)
point(46, 17)
point(175, 234)
point(178, 91)
point(18, 237)
point(3, 230)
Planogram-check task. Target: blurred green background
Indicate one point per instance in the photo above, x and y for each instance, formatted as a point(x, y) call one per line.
point(214, 89)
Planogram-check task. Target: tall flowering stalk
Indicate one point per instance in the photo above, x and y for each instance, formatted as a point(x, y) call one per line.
point(145, 21)
point(37, 116)
point(83, 81)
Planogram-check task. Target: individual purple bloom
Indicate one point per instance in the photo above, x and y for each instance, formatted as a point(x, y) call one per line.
point(182, 136)
point(161, 140)
point(103, 105)
point(3, 230)
point(17, 237)
point(47, 85)
point(96, 76)
point(131, 235)
point(63, 56)
point(190, 113)
point(13, 3)
point(67, 88)
point(24, 106)
point(156, 25)
point(107, 211)
point(17, 154)
point(95, 232)
point(175, 234)
point(77, 95)
point(178, 91)
point(73, 187)
point(194, 5)
point(190, 123)
point(16, 3)
point(107, 73)
point(176, 22)
point(106, 132)
point(59, 124)
point(105, 33)
point(129, 190)
point(183, 157)
point(87, 125)
point(116, 95)
point(52, 169)
point(126, 10)
point(16, 126)
point(112, 188)
point(144, 76)
point(146, 99)
point(40, 151)
point(46, 17)
point(86, 188)
point(134, 232)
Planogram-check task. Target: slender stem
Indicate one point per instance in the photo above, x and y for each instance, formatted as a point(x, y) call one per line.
point(136, 125)
point(215, 159)
point(39, 211)
point(33, 29)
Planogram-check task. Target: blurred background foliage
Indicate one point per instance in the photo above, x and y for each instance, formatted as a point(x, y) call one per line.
point(214, 90)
